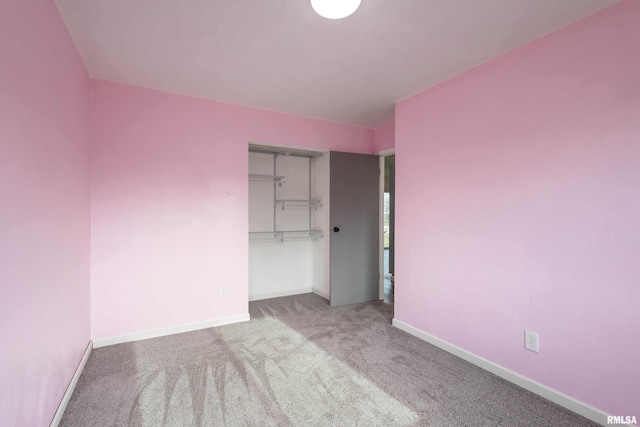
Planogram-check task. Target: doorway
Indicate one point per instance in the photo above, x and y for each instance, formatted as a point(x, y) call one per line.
point(387, 224)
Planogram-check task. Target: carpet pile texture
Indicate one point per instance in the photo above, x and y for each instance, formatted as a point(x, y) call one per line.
point(299, 362)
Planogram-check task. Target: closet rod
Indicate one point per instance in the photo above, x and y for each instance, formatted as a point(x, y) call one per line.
point(266, 178)
point(299, 204)
point(290, 235)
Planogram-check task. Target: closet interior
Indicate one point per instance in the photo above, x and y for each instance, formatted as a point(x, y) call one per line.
point(288, 222)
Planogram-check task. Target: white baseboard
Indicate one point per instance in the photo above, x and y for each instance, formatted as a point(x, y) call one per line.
point(71, 387)
point(548, 393)
point(257, 297)
point(137, 336)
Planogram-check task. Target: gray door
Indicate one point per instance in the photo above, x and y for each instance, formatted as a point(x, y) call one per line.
point(354, 222)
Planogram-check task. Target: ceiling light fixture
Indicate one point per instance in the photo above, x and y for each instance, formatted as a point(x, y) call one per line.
point(335, 9)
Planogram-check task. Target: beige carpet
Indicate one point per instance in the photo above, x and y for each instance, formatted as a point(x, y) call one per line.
point(299, 362)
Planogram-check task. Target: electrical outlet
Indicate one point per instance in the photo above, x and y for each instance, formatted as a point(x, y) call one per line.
point(531, 341)
point(223, 292)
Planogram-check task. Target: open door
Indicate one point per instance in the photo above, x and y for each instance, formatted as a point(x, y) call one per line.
point(353, 211)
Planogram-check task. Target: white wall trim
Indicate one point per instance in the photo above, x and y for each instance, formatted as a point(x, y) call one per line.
point(278, 294)
point(188, 327)
point(71, 387)
point(386, 151)
point(548, 393)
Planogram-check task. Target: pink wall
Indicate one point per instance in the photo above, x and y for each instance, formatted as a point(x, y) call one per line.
point(170, 202)
point(518, 207)
point(44, 211)
point(384, 137)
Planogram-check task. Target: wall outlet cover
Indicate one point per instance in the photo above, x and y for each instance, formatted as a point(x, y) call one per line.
point(531, 341)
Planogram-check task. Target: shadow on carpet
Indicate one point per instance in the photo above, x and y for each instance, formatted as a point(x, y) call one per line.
point(299, 362)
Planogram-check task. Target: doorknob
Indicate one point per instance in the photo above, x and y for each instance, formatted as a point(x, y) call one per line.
point(336, 229)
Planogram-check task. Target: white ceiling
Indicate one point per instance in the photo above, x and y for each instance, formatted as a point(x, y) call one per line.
point(280, 55)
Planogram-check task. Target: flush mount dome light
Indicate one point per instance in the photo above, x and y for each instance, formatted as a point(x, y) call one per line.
point(335, 9)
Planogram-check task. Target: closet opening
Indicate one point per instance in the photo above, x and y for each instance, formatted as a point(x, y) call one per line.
point(287, 245)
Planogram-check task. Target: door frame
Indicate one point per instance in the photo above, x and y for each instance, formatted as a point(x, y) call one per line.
point(381, 155)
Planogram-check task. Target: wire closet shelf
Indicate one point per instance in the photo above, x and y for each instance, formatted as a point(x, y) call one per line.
point(278, 180)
